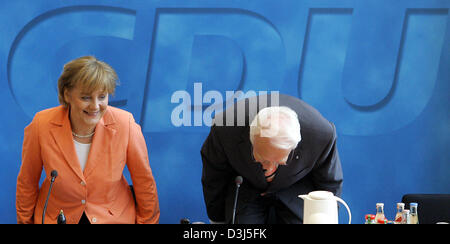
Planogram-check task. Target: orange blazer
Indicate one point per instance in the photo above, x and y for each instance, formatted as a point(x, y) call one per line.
point(101, 190)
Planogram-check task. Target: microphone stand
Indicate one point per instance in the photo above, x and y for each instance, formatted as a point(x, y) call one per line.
point(53, 174)
point(238, 185)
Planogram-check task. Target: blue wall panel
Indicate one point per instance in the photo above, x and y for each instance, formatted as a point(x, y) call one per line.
point(378, 69)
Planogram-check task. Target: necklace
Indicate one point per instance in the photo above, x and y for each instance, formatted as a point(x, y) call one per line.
point(85, 136)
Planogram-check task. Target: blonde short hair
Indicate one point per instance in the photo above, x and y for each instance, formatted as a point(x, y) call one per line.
point(90, 74)
point(280, 124)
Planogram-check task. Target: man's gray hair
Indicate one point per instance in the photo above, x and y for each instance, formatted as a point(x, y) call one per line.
point(280, 124)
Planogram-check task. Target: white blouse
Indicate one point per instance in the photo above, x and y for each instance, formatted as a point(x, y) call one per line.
point(82, 153)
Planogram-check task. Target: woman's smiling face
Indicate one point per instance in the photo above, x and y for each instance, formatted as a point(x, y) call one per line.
point(86, 109)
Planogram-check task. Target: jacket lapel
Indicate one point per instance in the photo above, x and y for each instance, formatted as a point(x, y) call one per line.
point(290, 173)
point(101, 145)
point(62, 133)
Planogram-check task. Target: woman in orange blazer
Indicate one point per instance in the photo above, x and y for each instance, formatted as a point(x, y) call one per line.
point(88, 143)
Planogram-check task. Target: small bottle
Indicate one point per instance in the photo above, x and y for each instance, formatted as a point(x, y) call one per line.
point(380, 213)
point(399, 216)
point(414, 219)
point(61, 218)
point(382, 221)
point(370, 219)
point(406, 217)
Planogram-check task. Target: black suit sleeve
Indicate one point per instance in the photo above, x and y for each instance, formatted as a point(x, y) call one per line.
point(327, 174)
point(216, 175)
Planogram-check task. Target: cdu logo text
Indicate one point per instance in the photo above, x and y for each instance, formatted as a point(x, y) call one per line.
point(369, 66)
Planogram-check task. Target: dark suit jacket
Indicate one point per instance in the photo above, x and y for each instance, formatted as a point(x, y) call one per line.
point(226, 153)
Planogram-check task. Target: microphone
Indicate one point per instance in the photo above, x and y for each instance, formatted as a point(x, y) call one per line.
point(53, 174)
point(238, 182)
point(185, 221)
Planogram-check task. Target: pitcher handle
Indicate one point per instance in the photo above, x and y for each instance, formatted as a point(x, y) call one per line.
point(348, 209)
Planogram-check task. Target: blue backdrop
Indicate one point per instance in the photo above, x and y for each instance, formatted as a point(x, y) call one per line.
point(378, 69)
